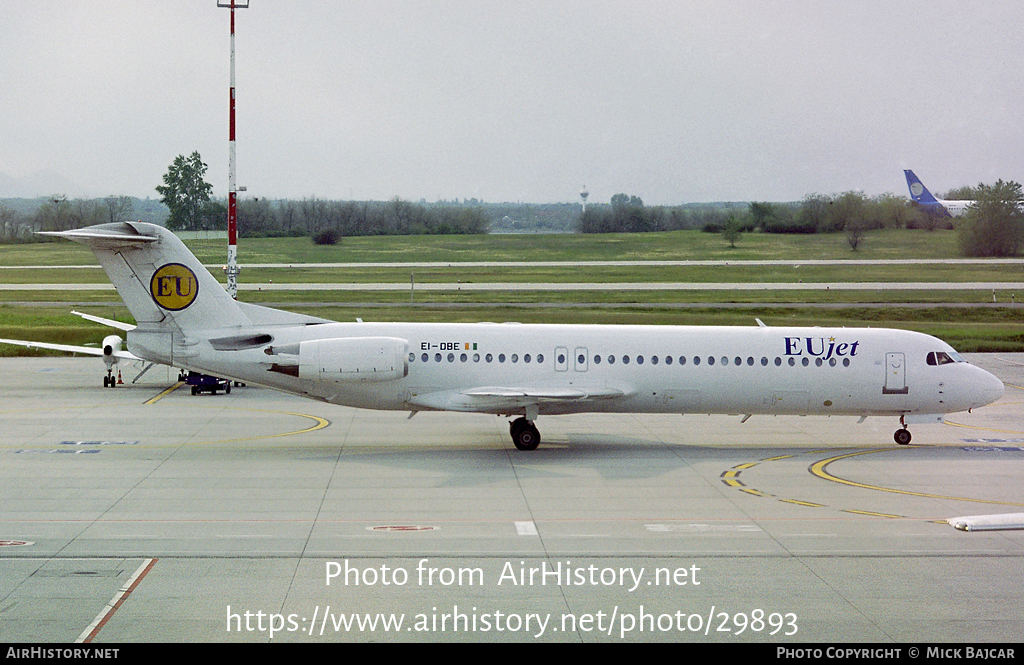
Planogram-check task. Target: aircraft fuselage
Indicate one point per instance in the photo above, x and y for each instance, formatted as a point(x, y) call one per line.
point(587, 368)
point(187, 320)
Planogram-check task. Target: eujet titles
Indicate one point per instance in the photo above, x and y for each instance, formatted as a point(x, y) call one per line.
point(186, 319)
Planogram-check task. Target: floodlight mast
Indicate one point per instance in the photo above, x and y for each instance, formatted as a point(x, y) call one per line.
point(232, 268)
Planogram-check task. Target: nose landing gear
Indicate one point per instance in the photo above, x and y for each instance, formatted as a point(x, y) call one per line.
point(902, 435)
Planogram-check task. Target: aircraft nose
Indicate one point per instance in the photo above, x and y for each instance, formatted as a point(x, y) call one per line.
point(990, 388)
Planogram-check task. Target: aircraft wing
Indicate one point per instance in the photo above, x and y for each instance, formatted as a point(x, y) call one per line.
point(90, 350)
point(107, 322)
point(1002, 522)
point(488, 399)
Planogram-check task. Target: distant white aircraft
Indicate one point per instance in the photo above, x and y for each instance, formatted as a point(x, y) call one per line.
point(920, 194)
point(112, 350)
point(1001, 522)
point(186, 319)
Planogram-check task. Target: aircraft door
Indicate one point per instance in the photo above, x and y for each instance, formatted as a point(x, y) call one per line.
point(581, 358)
point(561, 359)
point(895, 375)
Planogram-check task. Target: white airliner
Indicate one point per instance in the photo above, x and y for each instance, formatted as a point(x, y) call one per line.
point(111, 350)
point(920, 194)
point(186, 319)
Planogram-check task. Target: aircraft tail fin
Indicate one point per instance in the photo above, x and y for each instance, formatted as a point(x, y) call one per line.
point(918, 192)
point(173, 297)
point(161, 282)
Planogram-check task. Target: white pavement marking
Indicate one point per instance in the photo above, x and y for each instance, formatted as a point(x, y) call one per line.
point(101, 619)
point(526, 528)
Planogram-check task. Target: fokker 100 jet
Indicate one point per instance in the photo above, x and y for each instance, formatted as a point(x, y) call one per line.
point(186, 319)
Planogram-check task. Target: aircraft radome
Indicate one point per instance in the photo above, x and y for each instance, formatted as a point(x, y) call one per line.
point(186, 319)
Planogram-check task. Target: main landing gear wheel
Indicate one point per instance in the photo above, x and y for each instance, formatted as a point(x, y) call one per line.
point(525, 435)
point(902, 436)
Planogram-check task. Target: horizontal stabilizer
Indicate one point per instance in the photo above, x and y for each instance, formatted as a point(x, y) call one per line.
point(105, 236)
point(107, 322)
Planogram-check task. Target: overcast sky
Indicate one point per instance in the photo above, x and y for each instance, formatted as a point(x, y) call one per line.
point(671, 100)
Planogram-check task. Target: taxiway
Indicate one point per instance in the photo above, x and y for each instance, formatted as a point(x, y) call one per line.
point(224, 516)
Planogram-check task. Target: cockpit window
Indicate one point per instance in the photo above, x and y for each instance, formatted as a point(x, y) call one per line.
point(943, 358)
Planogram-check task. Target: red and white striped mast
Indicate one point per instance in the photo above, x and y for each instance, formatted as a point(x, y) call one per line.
point(232, 268)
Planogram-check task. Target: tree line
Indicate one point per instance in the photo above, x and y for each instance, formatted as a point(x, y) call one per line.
point(313, 217)
point(59, 213)
point(817, 213)
point(993, 226)
point(323, 219)
point(186, 194)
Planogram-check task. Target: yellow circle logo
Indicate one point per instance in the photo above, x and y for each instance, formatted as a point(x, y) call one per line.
point(174, 286)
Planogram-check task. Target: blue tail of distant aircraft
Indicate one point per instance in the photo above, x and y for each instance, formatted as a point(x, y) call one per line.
point(918, 192)
point(920, 195)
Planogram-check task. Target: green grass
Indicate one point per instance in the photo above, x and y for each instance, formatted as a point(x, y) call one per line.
point(753, 297)
point(674, 245)
point(700, 274)
point(526, 273)
point(49, 253)
point(967, 328)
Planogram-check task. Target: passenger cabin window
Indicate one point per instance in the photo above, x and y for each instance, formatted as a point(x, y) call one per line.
point(933, 358)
